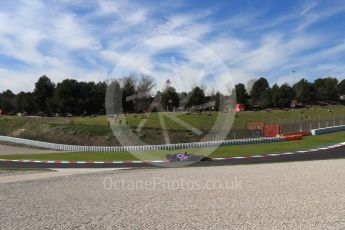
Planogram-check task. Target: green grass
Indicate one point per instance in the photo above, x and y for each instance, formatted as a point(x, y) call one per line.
point(225, 151)
point(96, 130)
point(99, 125)
point(205, 122)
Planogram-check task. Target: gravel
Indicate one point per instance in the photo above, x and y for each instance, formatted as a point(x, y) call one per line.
point(298, 195)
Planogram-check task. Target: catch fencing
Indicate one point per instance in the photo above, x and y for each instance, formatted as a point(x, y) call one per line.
point(296, 125)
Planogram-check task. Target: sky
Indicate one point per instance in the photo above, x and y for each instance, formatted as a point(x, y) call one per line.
point(194, 42)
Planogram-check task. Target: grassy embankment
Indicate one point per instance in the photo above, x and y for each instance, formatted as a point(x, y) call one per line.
point(96, 131)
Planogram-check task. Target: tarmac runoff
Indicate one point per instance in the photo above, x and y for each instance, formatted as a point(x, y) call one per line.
point(293, 195)
point(18, 176)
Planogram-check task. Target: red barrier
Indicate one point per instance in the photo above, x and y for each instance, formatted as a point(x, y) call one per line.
point(271, 130)
point(304, 133)
point(294, 137)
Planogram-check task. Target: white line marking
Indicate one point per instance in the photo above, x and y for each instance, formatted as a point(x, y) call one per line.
point(290, 153)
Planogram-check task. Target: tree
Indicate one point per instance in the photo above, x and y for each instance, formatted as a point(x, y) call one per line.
point(250, 83)
point(282, 96)
point(113, 100)
point(44, 89)
point(261, 93)
point(275, 95)
point(241, 93)
point(100, 90)
point(67, 95)
point(217, 100)
point(197, 97)
point(183, 97)
point(266, 99)
point(304, 90)
point(326, 88)
point(259, 87)
point(169, 97)
point(128, 90)
point(26, 103)
point(341, 87)
point(8, 102)
point(146, 84)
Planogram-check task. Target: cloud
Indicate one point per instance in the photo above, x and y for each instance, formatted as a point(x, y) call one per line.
point(87, 39)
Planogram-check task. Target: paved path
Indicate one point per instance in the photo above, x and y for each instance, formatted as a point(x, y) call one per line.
point(294, 195)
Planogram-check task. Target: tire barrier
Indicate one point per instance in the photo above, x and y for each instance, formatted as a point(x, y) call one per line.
point(328, 130)
point(294, 137)
point(304, 133)
point(78, 148)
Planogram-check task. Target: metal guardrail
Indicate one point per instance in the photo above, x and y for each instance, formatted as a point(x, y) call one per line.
point(328, 130)
point(78, 148)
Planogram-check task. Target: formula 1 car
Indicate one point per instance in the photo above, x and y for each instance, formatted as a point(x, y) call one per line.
point(186, 157)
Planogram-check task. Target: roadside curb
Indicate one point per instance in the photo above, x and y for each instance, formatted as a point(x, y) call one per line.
point(166, 161)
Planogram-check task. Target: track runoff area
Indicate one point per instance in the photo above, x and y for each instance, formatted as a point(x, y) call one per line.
point(327, 152)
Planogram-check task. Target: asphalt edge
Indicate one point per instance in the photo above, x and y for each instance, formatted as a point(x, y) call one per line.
point(166, 161)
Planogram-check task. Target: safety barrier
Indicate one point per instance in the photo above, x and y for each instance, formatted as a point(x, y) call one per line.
point(304, 133)
point(294, 137)
point(78, 148)
point(328, 130)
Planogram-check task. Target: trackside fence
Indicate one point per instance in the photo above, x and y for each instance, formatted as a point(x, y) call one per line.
point(78, 148)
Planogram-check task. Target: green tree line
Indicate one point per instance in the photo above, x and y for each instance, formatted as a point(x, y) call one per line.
point(78, 98)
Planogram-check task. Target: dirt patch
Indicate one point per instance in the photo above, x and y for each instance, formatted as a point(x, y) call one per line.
point(18, 132)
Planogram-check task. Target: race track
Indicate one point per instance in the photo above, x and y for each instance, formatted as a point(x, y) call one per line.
point(338, 152)
point(294, 195)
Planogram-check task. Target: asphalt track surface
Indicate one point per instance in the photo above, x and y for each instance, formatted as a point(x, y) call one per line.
point(334, 153)
point(294, 195)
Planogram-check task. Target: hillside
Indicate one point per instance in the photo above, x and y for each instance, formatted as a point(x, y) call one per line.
point(96, 130)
